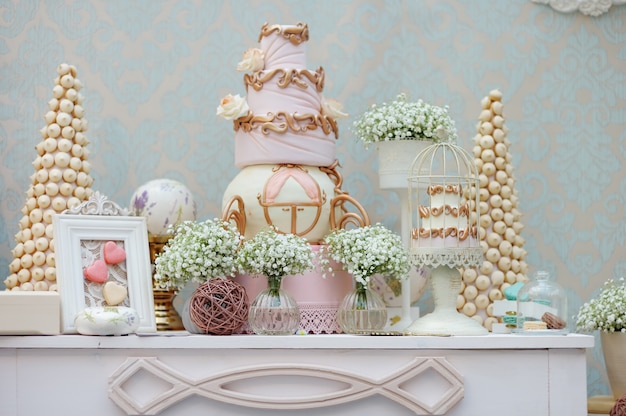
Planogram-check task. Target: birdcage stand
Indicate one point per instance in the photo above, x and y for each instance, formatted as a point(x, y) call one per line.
point(445, 236)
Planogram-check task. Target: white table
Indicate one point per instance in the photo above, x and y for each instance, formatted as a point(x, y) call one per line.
point(180, 374)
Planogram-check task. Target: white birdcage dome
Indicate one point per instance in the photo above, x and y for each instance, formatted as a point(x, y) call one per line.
point(444, 208)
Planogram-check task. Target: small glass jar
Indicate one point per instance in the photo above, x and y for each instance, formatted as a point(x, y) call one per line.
point(273, 311)
point(542, 306)
point(362, 311)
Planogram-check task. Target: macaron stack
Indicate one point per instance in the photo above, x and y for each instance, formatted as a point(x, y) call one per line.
point(499, 222)
point(61, 180)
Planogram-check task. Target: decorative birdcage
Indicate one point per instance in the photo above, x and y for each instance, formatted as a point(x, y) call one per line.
point(444, 210)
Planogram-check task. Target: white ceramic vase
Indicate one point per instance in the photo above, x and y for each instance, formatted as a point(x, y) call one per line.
point(614, 351)
point(395, 159)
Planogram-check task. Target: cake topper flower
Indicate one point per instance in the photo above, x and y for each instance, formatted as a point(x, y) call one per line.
point(232, 107)
point(253, 60)
point(333, 108)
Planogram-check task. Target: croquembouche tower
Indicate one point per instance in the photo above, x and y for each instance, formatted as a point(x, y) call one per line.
point(61, 180)
point(500, 220)
point(285, 140)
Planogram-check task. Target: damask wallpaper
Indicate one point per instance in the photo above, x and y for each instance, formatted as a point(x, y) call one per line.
point(154, 72)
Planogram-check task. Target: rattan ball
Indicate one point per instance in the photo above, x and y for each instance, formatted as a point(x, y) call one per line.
point(619, 408)
point(219, 307)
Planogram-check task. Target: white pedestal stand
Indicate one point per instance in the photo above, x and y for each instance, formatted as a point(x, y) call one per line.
point(406, 319)
point(445, 319)
point(445, 169)
point(394, 162)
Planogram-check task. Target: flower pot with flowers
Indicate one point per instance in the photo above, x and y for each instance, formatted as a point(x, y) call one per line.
point(364, 252)
point(400, 130)
point(205, 253)
point(274, 255)
point(607, 313)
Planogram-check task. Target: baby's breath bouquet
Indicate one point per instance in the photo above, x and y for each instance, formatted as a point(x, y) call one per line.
point(365, 251)
point(199, 251)
point(275, 255)
point(405, 120)
point(606, 312)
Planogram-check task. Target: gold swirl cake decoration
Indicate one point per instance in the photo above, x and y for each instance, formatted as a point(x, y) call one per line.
point(296, 34)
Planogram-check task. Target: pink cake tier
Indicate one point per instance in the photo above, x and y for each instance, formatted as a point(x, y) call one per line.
point(318, 297)
point(285, 123)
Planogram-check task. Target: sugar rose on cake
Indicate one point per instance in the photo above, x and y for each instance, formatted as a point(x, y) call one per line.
point(253, 60)
point(232, 107)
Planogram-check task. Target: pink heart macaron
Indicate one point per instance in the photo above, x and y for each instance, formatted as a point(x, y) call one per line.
point(97, 272)
point(113, 254)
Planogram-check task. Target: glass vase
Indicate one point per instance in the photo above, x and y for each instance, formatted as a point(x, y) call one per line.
point(362, 311)
point(273, 311)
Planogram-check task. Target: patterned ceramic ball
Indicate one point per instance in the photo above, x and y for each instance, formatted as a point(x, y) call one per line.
point(163, 202)
point(390, 289)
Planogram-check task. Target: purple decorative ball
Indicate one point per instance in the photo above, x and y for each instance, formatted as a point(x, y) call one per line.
point(163, 202)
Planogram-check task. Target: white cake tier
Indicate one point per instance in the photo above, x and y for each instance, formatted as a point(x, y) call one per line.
point(446, 210)
point(446, 242)
point(293, 198)
point(445, 198)
point(444, 216)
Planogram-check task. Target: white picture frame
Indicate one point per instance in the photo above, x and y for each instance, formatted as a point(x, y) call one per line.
point(72, 233)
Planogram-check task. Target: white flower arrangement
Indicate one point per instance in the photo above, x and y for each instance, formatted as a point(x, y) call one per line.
point(232, 107)
point(404, 120)
point(275, 255)
point(606, 312)
point(199, 251)
point(365, 251)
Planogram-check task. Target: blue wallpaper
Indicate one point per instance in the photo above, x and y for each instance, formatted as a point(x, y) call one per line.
point(154, 72)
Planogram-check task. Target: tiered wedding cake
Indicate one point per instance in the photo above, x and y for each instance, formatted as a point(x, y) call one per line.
point(285, 135)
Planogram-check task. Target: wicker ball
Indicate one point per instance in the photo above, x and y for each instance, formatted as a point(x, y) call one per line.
point(619, 408)
point(219, 307)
